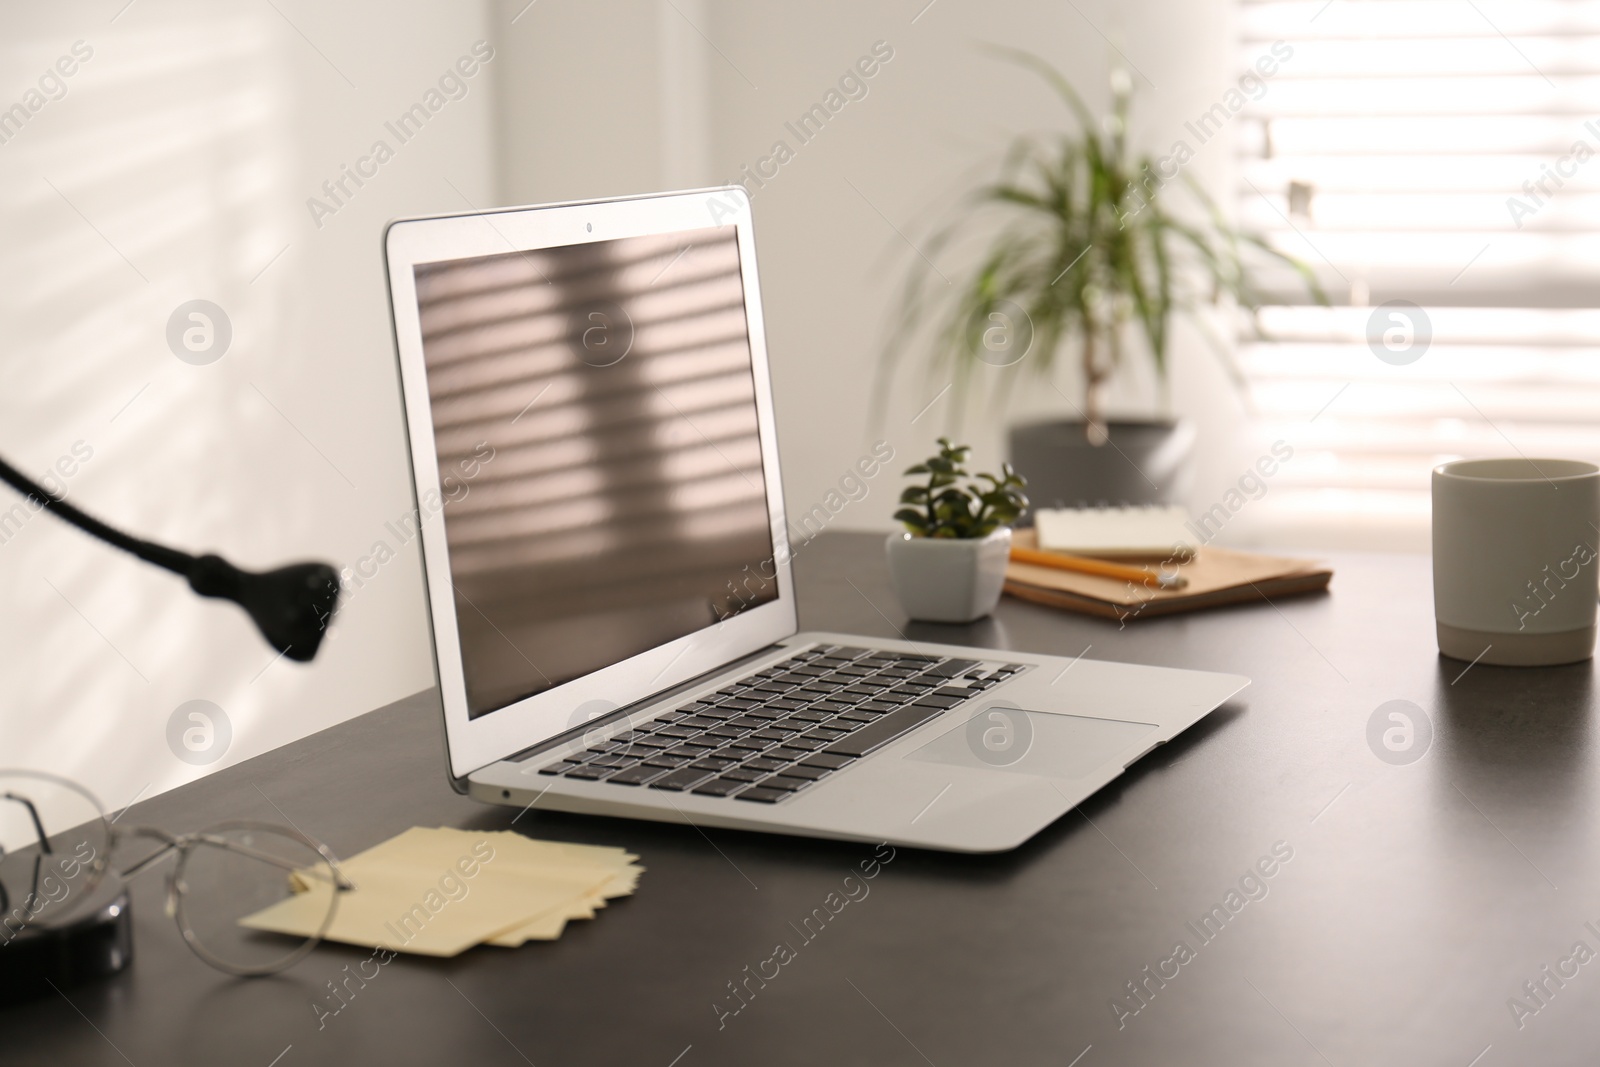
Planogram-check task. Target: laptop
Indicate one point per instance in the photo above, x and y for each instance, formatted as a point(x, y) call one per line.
point(608, 561)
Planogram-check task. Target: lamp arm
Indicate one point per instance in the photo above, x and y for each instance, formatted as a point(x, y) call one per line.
point(291, 605)
point(170, 558)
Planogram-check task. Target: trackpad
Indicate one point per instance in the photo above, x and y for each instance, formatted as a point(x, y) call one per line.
point(1004, 738)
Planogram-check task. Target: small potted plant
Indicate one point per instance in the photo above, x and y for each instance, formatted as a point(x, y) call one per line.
point(950, 563)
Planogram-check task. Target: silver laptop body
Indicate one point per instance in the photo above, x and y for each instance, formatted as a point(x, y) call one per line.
point(607, 560)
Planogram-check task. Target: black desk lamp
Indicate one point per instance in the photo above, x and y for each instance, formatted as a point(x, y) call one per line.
point(291, 605)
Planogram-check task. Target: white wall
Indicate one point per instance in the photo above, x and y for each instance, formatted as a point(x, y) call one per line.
point(178, 166)
point(934, 122)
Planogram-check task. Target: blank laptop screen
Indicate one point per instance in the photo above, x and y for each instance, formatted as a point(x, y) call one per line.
point(594, 413)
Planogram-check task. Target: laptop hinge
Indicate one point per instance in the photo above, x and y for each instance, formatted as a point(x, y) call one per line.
point(623, 712)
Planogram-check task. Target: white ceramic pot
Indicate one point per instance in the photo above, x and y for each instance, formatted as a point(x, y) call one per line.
point(941, 579)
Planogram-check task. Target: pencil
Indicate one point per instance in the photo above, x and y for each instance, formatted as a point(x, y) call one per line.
point(1083, 565)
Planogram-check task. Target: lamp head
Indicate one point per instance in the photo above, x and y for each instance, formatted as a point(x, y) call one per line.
point(292, 605)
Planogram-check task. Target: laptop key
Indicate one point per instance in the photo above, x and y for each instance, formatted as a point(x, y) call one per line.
point(878, 705)
point(785, 783)
point(766, 763)
point(588, 773)
point(559, 768)
point(745, 774)
point(634, 776)
point(871, 738)
point(828, 761)
point(933, 701)
point(720, 787)
point(824, 734)
point(681, 779)
point(760, 795)
point(719, 713)
point(952, 667)
point(714, 763)
point(805, 742)
point(785, 753)
point(666, 759)
point(742, 705)
point(772, 711)
point(811, 773)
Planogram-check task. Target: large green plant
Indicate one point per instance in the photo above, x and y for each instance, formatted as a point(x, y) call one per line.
point(1090, 250)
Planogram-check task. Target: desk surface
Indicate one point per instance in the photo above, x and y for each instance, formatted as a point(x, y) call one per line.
point(1418, 900)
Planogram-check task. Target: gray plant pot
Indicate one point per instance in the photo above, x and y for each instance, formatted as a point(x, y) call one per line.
point(940, 579)
point(1145, 462)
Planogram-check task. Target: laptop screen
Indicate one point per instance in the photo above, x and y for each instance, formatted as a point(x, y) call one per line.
point(594, 414)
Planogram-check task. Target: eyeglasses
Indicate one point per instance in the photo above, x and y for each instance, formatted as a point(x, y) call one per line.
point(222, 874)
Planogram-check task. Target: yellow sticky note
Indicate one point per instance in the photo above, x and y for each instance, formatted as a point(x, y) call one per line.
point(438, 893)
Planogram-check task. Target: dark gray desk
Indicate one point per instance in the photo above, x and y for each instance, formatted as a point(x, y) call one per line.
point(1419, 898)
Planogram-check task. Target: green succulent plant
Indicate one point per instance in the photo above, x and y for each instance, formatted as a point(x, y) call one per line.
point(1091, 250)
point(944, 508)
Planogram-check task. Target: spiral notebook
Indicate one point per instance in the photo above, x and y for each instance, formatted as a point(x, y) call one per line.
point(1150, 532)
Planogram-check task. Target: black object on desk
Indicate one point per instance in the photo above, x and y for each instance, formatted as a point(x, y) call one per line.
point(1416, 900)
point(291, 606)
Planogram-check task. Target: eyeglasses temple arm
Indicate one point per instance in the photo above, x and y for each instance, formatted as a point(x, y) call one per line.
point(38, 827)
point(138, 868)
point(342, 883)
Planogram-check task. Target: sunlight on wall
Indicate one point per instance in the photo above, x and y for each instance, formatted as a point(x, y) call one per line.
point(174, 168)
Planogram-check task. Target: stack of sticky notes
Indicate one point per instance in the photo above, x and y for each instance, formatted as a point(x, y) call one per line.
point(438, 892)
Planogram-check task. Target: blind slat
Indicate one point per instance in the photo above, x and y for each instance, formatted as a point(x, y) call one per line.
point(1444, 154)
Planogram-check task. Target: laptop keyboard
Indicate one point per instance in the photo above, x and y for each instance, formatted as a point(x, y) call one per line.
point(778, 731)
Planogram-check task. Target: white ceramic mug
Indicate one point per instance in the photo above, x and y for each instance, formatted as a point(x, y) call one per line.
point(1514, 551)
